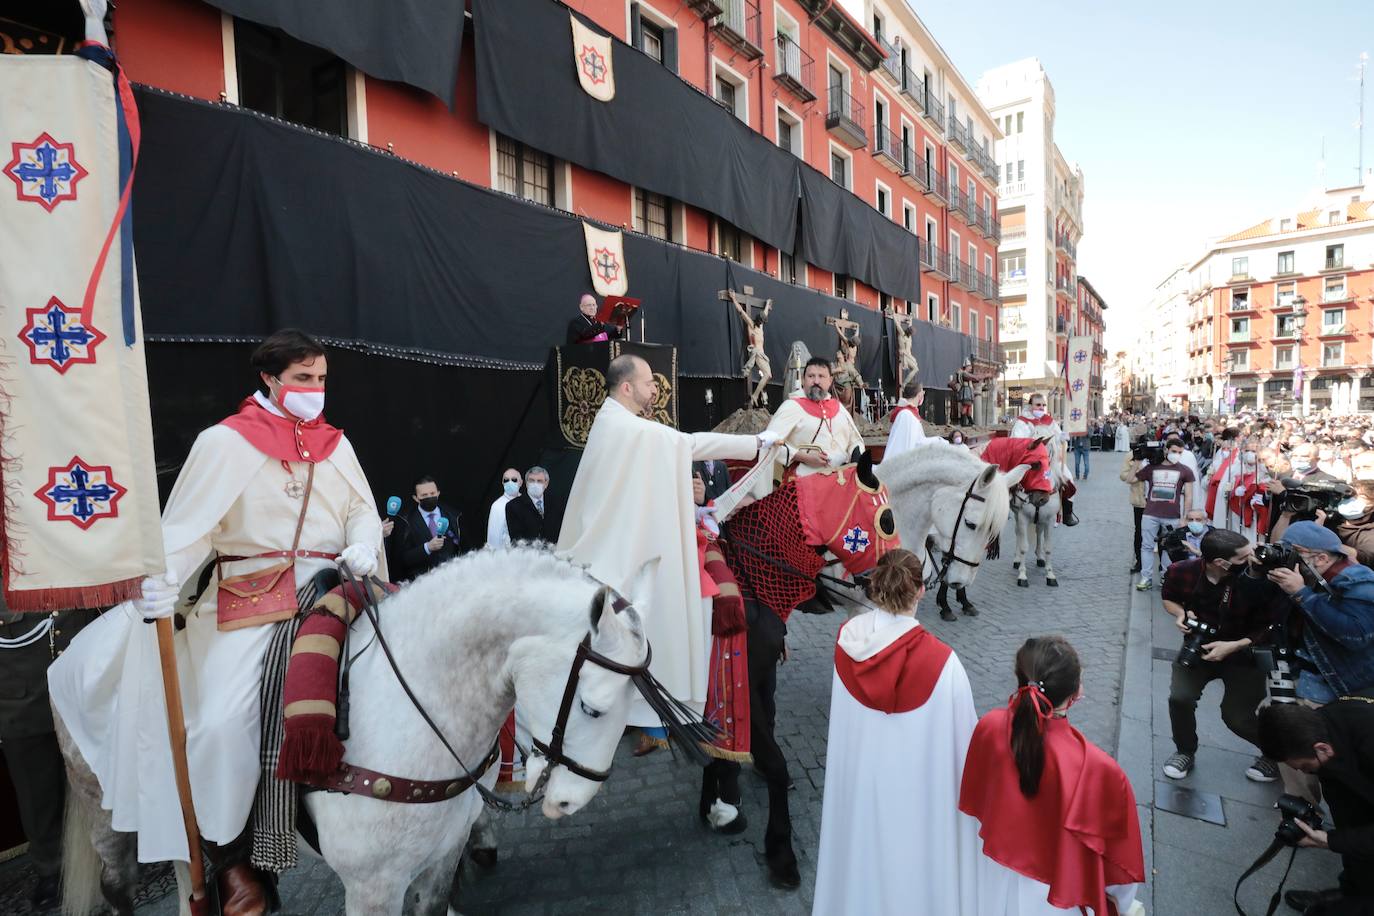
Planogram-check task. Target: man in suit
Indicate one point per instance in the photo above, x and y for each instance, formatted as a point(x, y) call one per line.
point(714, 474)
point(421, 546)
point(530, 517)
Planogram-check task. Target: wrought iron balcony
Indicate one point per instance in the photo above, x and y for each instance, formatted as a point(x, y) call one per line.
point(845, 119)
point(706, 9)
point(977, 216)
point(892, 64)
point(956, 202)
point(958, 134)
point(993, 228)
point(935, 112)
point(889, 149)
point(987, 351)
point(914, 88)
point(930, 180)
point(991, 290)
point(740, 26)
point(932, 258)
point(1061, 325)
point(795, 68)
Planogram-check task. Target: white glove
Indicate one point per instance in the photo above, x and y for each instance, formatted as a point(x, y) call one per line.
point(1257, 499)
point(1240, 491)
point(767, 439)
point(706, 517)
point(159, 597)
point(360, 558)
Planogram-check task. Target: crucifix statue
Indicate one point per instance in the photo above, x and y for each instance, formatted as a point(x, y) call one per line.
point(907, 367)
point(755, 357)
point(850, 337)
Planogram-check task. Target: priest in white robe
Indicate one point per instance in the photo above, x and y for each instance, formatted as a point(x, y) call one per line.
point(239, 494)
point(901, 713)
point(906, 432)
point(816, 431)
point(630, 507)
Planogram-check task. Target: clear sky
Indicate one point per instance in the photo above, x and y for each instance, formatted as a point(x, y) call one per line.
point(1190, 120)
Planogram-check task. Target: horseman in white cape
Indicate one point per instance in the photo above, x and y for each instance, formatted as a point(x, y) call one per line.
point(631, 507)
point(816, 431)
point(274, 494)
point(1035, 422)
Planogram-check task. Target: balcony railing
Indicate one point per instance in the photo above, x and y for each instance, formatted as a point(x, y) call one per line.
point(706, 9)
point(892, 64)
point(1336, 295)
point(930, 180)
point(956, 202)
point(977, 216)
point(1012, 234)
point(1061, 325)
point(1335, 262)
point(958, 134)
point(993, 228)
point(845, 119)
point(935, 112)
point(914, 88)
point(933, 258)
point(888, 147)
point(741, 26)
point(1011, 189)
point(991, 170)
point(795, 68)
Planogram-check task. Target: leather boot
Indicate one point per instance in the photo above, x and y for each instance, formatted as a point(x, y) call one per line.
point(1066, 505)
point(241, 891)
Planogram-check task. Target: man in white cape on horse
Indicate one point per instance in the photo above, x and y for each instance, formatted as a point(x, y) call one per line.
point(631, 506)
point(1035, 422)
point(240, 495)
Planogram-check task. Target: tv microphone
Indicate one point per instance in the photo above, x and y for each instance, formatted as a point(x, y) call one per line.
point(441, 527)
point(393, 506)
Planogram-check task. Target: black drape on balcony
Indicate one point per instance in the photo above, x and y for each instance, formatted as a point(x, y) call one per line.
point(939, 351)
point(243, 224)
point(657, 133)
point(409, 41)
point(842, 234)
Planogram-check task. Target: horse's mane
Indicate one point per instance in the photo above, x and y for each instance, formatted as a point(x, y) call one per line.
point(938, 461)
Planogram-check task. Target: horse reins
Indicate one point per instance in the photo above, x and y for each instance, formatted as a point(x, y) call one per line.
point(551, 752)
point(952, 556)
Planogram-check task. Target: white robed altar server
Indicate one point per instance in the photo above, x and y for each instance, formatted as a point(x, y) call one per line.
point(907, 431)
point(239, 493)
point(816, 431)
point(892, 838)
point(631, 506)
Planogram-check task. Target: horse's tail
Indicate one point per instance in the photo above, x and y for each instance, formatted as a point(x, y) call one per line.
point(80, 863)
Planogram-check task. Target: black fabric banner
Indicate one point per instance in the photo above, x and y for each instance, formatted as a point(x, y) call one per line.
point(658, 133)
point(842, 234)
point(939, 351)
point(576, 378)
point(409, 41)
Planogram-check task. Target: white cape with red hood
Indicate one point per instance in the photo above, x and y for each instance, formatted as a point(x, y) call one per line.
point(892, 837)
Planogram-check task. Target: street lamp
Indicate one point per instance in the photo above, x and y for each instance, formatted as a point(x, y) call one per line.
point(1299, 322)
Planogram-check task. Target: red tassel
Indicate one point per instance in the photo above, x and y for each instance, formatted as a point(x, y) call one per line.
point(310, 751)
point(45, 600)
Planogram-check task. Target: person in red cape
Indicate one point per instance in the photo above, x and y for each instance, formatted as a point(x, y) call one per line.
point(901, 712)
point(815, 429)
point(273, 494)
point(1057, 817)
point(907, 431)
point(1035, 422)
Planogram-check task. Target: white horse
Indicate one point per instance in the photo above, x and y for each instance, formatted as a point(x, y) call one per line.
point(469, 636)
point(1035, 514)
point(948, 503)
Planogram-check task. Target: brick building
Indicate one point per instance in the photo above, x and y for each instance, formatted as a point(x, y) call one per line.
point(1089, 320)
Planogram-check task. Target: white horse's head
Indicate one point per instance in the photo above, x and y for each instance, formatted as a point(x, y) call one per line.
point(596, 720)
point(946, 493)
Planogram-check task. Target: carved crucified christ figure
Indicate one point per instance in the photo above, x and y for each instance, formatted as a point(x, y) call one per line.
point(907, 367)
point(754, 350)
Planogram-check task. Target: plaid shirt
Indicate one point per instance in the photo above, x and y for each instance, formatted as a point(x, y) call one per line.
point(1240, 606)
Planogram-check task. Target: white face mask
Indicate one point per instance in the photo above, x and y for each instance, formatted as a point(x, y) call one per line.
point(536, 490)
point(1352, 508)
point(1037, 412)
point(302, 403)
point(1248, 458)
point(1175, 457)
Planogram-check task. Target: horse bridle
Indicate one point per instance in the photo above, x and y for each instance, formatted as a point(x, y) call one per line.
point(551, 752)
point(952, 555)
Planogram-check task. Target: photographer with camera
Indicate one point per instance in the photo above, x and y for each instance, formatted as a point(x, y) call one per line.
point(1336, 744)
point(1222, 607)
point(1337, 622)
point(1168, 492)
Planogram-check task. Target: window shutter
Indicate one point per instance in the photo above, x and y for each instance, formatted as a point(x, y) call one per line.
point(670, 49)
point(636, 27)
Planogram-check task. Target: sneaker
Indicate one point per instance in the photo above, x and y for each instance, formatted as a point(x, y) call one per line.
point(1144, 585)
point(1178, 766)
point(1262, 770)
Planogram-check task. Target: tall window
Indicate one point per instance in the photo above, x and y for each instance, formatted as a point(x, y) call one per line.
point(1240, 267)
point(289, 79)
point(987, 327)
point(1333, 354)
point(784, 133)
point(729, 241)
point(838, 101)
point(653, 214)
point(1242, 363)
point(1333, 289)
point(883, 201)
point(1020, 170)
point(523, 171)
point(651, 40)
point(787, 267)
point(839, 169)
point(955, 315)
point(655, 39)
point(1285, 265)
point(1335, 257)
point(725, 94)
point(1240, 330)
point(1283, 358)
point(1284, 294)
point(1020, 121)
point(844, 286)
point(1333, 321)
point(1009, 172)
point(1285, 326)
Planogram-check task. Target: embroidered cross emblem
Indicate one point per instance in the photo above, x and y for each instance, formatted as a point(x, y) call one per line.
point(1075, 414)
point(1077, 385)
point(44, 171)
point(56, 335)
point(1080, 356)
point(606, 264)
point(593, 64)
point(856, 541)
point(81, 493)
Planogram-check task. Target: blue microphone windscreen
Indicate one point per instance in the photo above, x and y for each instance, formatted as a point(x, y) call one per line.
point(442, 526)
point(393, 505)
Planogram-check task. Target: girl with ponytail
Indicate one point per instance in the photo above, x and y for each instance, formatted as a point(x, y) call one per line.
point(1057, 818)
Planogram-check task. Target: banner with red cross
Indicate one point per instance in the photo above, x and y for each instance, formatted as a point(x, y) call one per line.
point(592, 60)
point(606, 260)
point(80, 522)
point(1076, 384)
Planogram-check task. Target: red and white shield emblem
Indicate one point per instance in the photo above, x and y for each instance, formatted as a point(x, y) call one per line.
point(593, 64)
point(81, 493)
point(607, 265)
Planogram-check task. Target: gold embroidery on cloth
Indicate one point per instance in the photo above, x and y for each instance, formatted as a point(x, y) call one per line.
point(583, 391)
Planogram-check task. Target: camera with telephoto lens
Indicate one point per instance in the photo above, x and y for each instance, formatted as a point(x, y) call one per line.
point(1305, 499)
point(1280, 664)
point(1294, 809)
point(1198, 634)
point(1275, 556)
point(1148, 450)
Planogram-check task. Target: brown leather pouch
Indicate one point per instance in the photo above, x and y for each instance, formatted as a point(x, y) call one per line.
point(265, 596)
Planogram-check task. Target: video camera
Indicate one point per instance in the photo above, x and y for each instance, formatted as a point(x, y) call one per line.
point(1198, 634)
point(1148, 450)
point(1305, 499)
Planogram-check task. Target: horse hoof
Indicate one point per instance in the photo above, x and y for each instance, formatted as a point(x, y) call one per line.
point(947, 614)
point(1040, 563)
point(1052, 583)
point(1015, 564)
point(785, 877)
point(1022, 583)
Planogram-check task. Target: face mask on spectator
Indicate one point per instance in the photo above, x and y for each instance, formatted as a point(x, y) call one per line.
point(1037, 412)
point(1301, 464)
point(1352, 508)
point(1175, 457)
point(1248, 458)
point(536, 490)
point(512, 487)
point(1197, 527)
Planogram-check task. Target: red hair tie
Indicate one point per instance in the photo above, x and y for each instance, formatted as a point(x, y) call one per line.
point(1044, 709)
